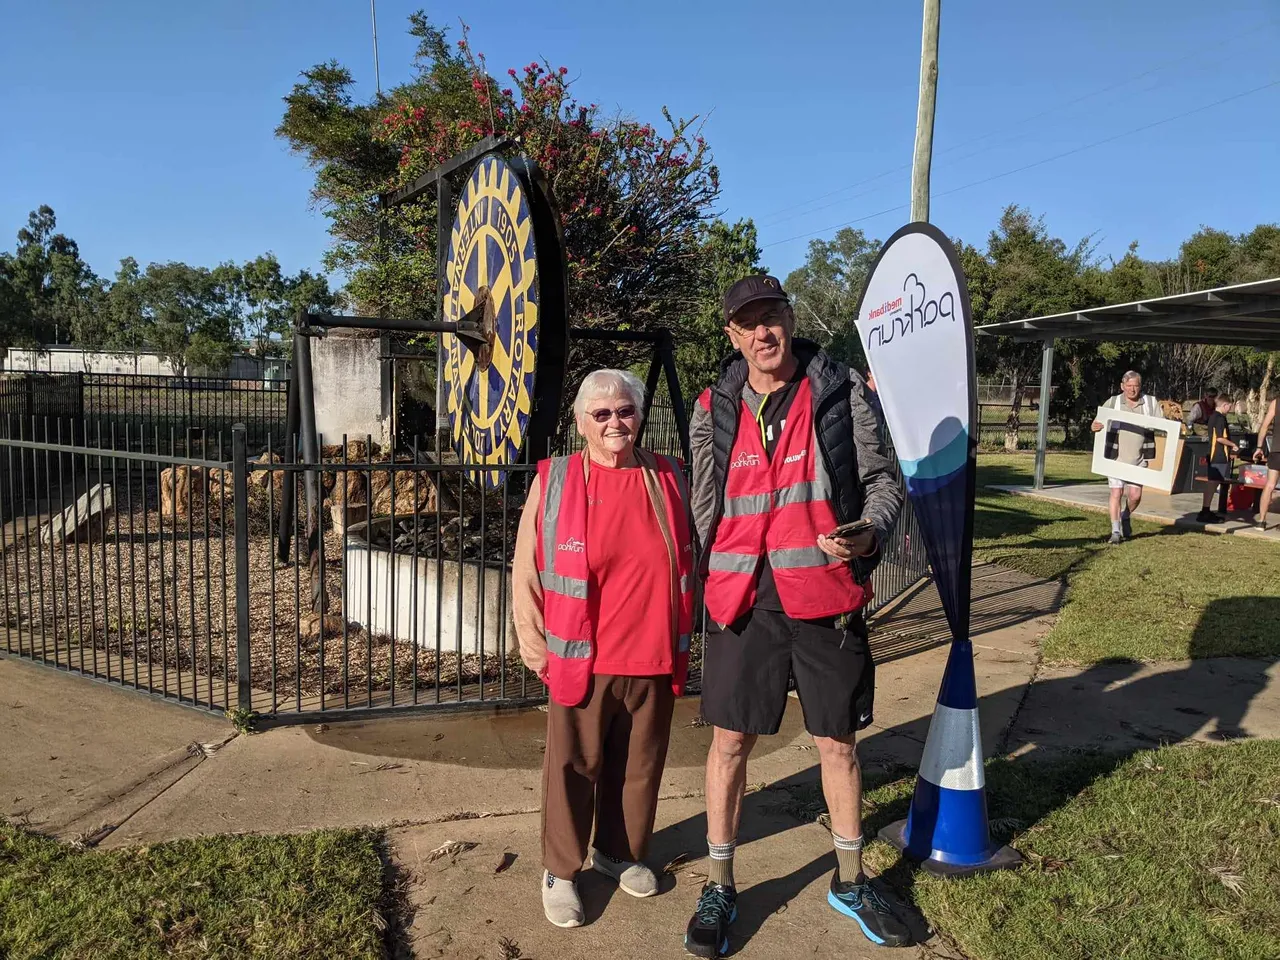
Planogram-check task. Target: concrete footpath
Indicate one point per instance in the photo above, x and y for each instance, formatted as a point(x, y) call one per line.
point(82, 760)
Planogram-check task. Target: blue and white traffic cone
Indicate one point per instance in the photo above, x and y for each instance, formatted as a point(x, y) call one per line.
point(946, 830)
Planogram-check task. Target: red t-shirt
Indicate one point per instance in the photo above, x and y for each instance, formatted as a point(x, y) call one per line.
point(630, 568)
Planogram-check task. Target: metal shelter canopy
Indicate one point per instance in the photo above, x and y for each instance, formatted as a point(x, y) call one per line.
point(1246, 314)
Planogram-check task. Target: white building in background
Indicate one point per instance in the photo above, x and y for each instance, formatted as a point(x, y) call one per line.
point(61, 358)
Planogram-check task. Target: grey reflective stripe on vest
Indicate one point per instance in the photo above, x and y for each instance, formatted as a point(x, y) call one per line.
point(550, 580)
point(568, 649)
point(749, 504)
point(565, 586)
point(684, 643)
point(684, 583)
point(733, 562)
point(805, 491)
point(793, 557)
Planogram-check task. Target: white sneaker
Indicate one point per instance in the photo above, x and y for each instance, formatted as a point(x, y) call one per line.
point(560, 901)
point(633, 878)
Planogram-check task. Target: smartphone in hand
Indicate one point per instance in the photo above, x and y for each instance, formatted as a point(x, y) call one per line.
point(851, 529)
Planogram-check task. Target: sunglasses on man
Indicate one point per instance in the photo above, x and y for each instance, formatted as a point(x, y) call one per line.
point(747, 324)
point(604, 414)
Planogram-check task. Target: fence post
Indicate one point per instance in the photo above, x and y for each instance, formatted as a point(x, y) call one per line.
point(31, 407)
point(240, 482)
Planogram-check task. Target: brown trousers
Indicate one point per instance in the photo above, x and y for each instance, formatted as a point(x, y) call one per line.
point(604, 760)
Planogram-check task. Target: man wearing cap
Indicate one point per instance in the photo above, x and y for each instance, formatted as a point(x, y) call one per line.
point(786, 448)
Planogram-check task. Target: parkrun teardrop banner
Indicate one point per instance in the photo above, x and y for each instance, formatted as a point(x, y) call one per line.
point(915, 326)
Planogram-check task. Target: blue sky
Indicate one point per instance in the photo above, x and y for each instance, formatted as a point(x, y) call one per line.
point(148, 124)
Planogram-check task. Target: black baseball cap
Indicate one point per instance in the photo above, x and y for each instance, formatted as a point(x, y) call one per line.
point(749, 290)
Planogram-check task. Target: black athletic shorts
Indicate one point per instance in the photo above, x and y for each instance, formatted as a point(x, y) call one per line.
point(747, 668)
point(1219, 472)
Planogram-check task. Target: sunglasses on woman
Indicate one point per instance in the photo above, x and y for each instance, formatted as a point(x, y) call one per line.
point(604, 414)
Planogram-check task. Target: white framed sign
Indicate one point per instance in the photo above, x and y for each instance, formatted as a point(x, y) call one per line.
point(1157, 477)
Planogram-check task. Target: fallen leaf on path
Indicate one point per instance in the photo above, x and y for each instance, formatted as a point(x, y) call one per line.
point(451, 849)
point(506, 860)
point(680, 861)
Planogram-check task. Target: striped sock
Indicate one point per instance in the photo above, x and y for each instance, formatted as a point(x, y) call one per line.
point(849, 857)
point(720, 864)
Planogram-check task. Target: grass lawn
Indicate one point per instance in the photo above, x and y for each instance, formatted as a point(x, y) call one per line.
point(1169, 594)
point(1014, 469)
point(312, 895)
point(1038, 537)
point(1172, 595)
point(1174, 853)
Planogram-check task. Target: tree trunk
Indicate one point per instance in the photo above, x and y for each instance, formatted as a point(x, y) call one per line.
point(1013, 423)
point(1263, 391)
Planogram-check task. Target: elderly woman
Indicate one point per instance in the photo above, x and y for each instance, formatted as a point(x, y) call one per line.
point(602, 580)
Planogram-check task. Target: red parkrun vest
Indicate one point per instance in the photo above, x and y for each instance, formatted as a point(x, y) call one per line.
point(779, 506)
point(561, 555)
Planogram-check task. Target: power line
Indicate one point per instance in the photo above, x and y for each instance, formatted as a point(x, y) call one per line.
point(772, 219)
point(1037, 163)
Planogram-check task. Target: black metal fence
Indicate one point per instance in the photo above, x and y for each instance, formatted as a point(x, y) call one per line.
point(103, 574)
point(993, 427)
point(165, 412)
point(199, 579)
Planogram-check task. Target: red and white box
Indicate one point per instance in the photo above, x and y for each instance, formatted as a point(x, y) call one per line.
point(1253, 475)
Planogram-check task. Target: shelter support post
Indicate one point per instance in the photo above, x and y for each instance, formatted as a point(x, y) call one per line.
point(1042, 426)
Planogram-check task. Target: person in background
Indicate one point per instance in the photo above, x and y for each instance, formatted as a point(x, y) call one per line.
point(1270, 421)
point(1128, 444)
point(1201, 410)
point(787, 449)
point(1221, 446)
point(602, 581)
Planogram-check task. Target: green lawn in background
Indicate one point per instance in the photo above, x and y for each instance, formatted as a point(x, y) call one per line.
point(1038, 537)
point(1013, 469)
point(1172, 595)
point(311, 895)
point(1173, 853)
point(1168, 594)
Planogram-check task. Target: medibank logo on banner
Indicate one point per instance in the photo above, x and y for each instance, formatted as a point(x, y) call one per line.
point(745, 460)
point(571, 546)
point(922, 311)
point(886, 307)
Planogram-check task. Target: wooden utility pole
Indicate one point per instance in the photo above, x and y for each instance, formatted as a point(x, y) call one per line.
point(924, 112)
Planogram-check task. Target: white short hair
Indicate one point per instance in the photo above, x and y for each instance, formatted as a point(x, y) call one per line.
point(1131, 375)
point(609, 383)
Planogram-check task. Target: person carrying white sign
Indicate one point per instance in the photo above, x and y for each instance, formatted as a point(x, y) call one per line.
point(1128, 444)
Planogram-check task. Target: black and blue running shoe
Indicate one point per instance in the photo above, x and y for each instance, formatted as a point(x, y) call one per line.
point(863, 903)
point(708, 932)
